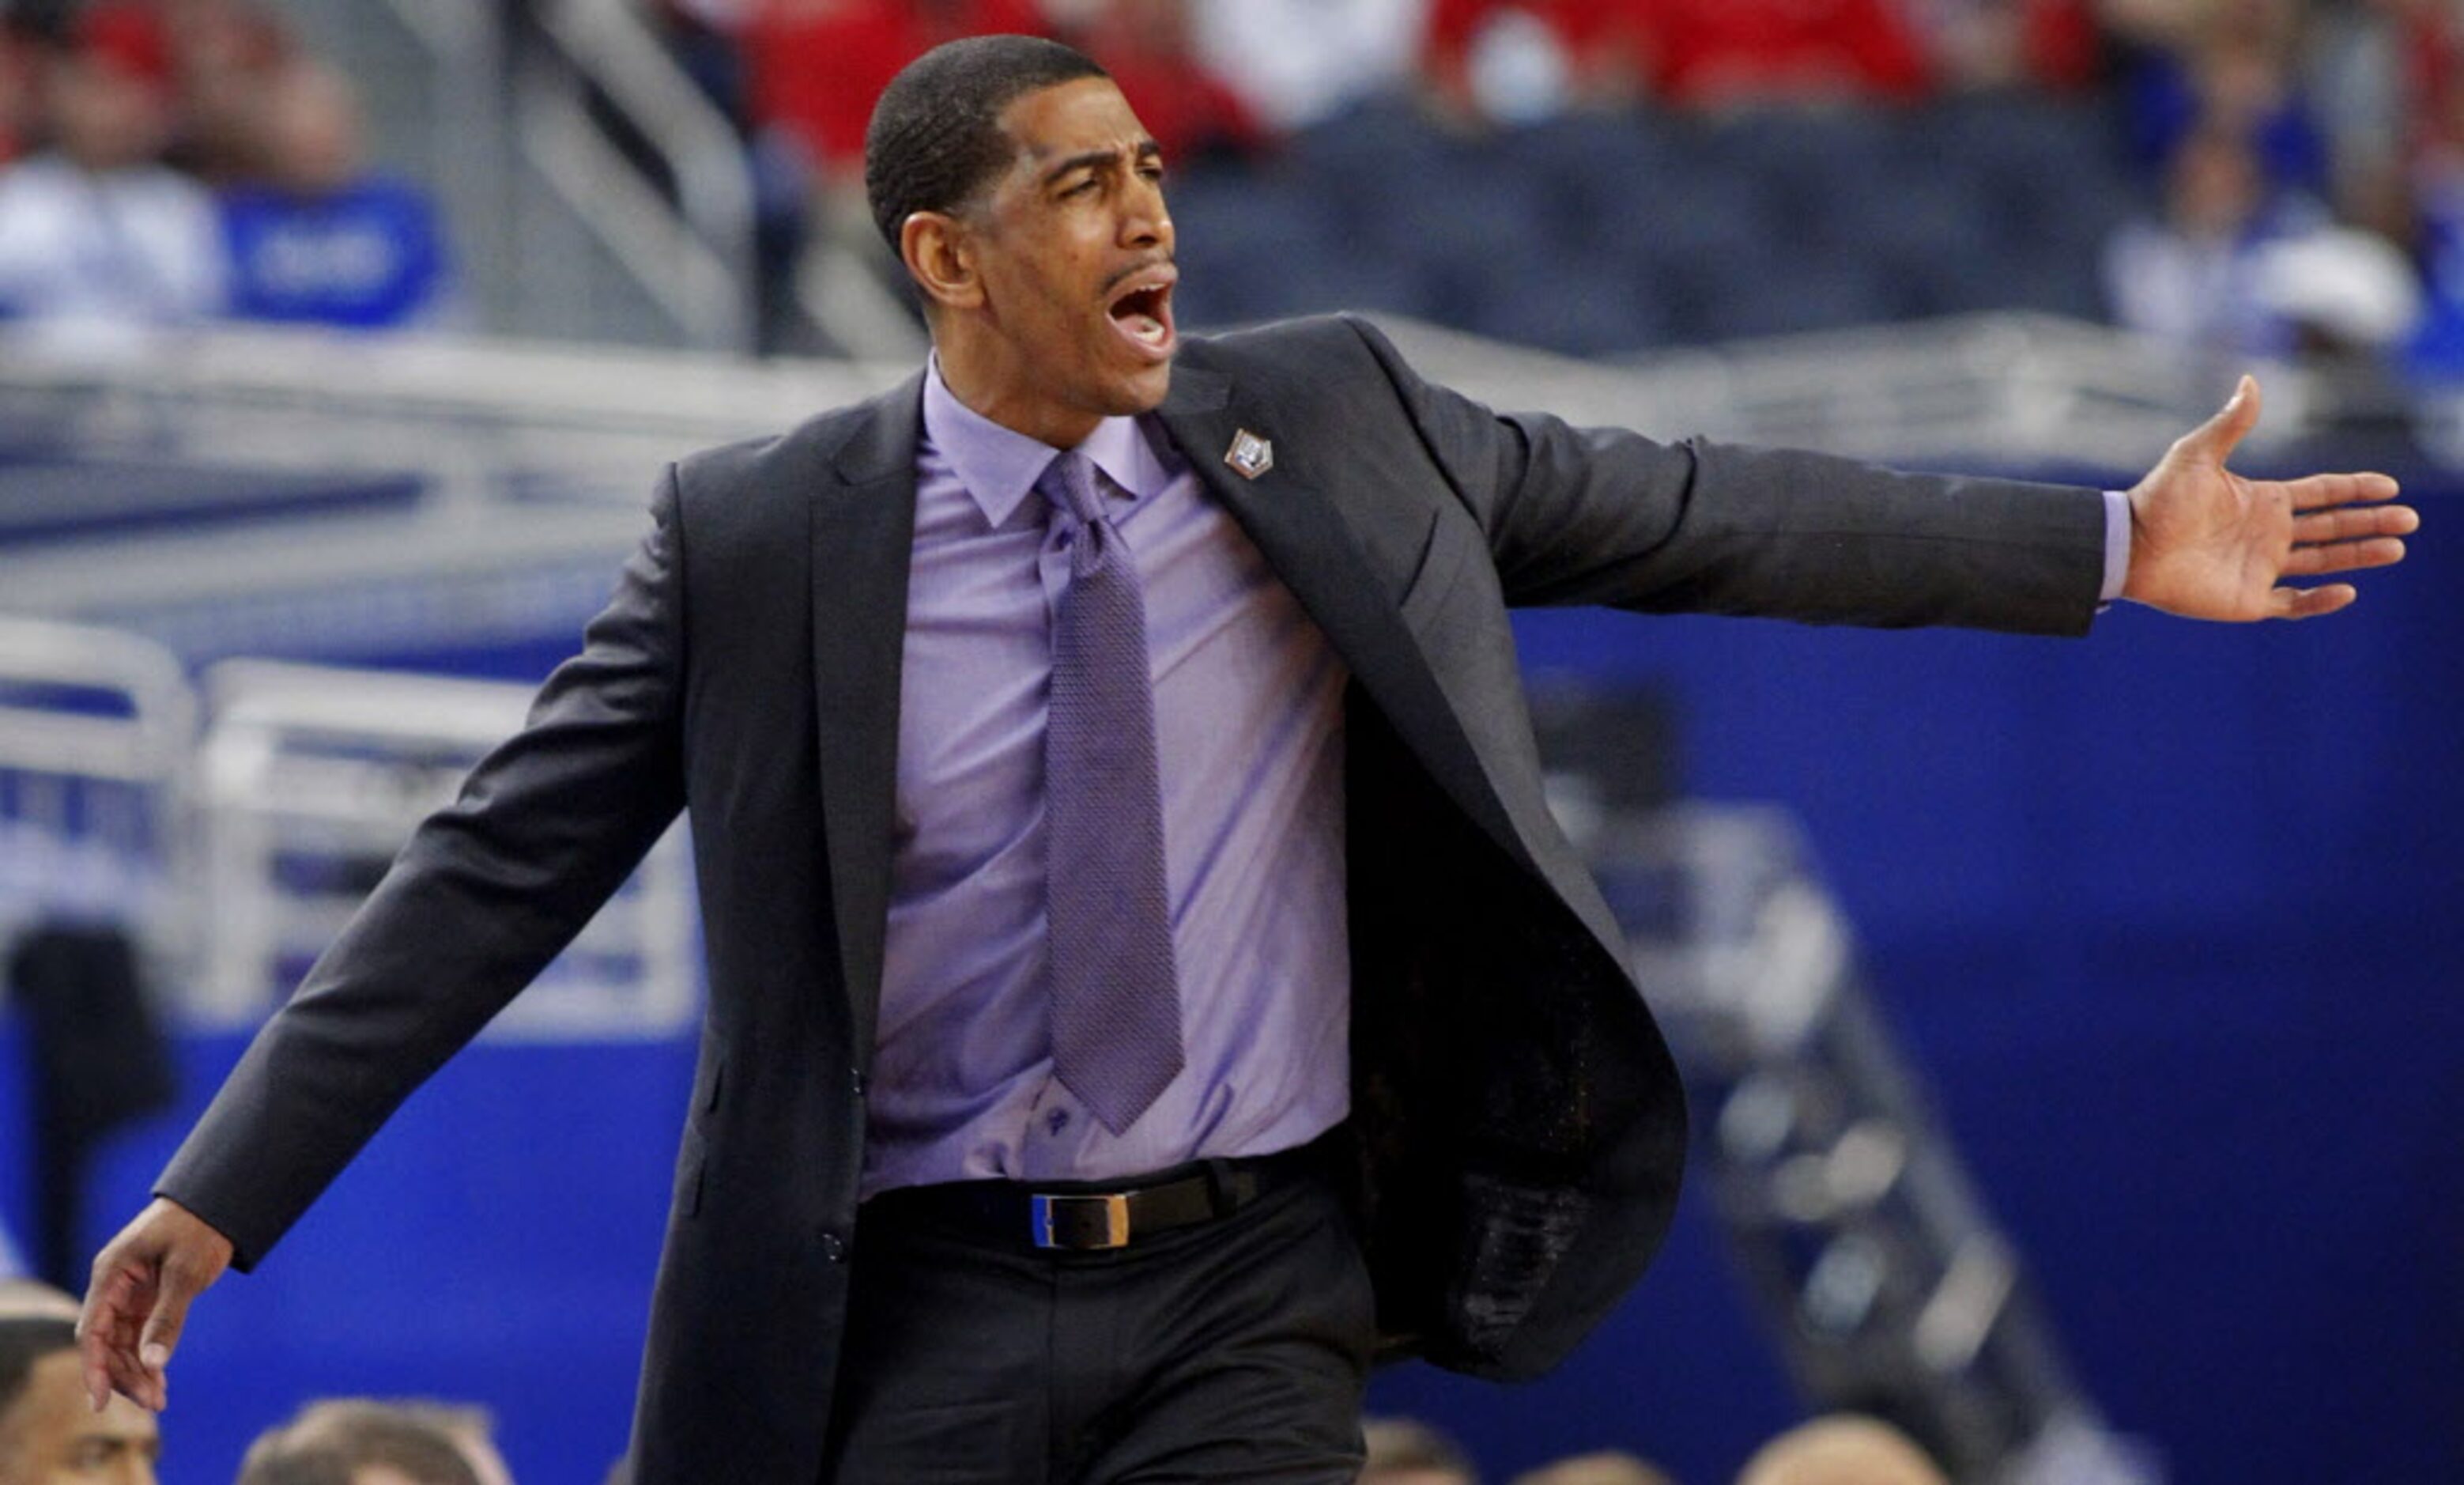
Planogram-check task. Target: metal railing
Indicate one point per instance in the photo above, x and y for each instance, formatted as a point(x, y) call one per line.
point(237, 853)
point(537, 457)
point(1844, 1202)
point(309, 781)
point(695, 259)
point(94, 734)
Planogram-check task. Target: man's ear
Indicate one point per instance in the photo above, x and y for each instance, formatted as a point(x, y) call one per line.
point(942, 259)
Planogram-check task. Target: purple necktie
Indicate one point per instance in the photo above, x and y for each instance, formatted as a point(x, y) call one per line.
point(1115, 997)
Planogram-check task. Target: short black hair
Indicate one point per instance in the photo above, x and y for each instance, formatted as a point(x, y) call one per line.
point(935, 135)
point(24, 1341)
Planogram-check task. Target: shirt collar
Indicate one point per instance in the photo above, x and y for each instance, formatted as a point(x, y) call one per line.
point(998, 466)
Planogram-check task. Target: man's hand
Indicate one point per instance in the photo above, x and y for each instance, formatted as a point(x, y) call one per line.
point(2207, 544)
point(139, 1300)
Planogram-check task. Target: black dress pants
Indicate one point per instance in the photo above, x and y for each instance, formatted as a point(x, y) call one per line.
point(1232, 1350)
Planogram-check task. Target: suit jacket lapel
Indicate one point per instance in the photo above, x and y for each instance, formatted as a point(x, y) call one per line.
point(1305, 542)
point(863, 532)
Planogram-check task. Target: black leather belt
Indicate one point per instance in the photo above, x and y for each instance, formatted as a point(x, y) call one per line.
point(1092, 1216)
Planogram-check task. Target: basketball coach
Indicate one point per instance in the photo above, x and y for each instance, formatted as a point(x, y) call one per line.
point(1144, 981)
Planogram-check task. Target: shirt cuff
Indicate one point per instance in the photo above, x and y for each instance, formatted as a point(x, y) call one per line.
point(2117, 545)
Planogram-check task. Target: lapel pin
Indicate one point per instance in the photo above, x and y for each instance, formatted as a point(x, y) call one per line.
point(1249, 455)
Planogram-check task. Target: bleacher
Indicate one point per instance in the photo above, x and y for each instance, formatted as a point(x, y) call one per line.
point(1606, 236)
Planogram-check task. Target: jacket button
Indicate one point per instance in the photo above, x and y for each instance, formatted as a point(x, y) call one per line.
point(834, 1248)
point(857, 1079)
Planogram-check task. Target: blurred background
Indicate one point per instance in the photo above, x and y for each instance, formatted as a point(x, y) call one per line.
point(2071, 1027)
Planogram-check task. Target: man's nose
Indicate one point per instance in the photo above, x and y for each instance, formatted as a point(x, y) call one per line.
point(1145, 220)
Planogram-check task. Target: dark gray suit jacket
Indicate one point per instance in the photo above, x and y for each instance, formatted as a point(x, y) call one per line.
point(1521, 1127)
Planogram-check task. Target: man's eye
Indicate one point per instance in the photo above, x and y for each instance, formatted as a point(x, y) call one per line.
point(1081, 188)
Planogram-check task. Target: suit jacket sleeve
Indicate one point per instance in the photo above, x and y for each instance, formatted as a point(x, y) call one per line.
point(1604, 516)
point(485, 892)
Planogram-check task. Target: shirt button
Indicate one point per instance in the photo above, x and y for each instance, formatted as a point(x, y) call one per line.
point(834, 1248)
point(857, 1079)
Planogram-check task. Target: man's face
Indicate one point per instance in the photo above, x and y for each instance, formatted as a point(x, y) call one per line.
point(1073, 252)
point(49, 1436)
point(104, 117)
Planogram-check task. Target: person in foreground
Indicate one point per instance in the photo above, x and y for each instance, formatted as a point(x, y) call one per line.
point(50, 1435)
point(1144, 981)
point(373, 1442)
point(362, 1441)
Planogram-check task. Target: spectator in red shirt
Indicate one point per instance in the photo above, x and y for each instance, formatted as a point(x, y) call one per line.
point(1705, 54)
point(1715, 53)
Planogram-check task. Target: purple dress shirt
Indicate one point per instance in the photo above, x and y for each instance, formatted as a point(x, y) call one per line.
point(1249, 747)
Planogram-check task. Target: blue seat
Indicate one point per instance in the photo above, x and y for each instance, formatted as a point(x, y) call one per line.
point(1583, 307)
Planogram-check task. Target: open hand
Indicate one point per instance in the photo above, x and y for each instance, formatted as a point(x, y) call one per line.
point(139, 1299)
point(2207, 544)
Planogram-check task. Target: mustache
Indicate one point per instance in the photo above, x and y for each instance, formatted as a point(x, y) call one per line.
point(1147, 265)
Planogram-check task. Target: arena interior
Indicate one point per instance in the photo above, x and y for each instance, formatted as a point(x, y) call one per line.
point(2070, 1027)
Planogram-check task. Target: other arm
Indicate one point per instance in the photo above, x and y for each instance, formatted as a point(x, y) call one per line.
point(485, 892)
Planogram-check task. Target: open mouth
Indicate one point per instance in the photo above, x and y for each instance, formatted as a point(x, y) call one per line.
point(1141, 310)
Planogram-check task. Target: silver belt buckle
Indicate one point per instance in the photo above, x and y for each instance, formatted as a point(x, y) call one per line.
point(1115, 1205)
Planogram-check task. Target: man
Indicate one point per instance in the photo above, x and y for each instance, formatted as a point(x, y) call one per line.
point(49, 1433)
point(314, 236)
point(101, 244)
point(1186, 1029)
point(354, 1441)
point(365, 1432)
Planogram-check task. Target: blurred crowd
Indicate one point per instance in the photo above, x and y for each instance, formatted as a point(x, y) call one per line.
point(168, 162)
point(1235, 73)
point(2299, 163)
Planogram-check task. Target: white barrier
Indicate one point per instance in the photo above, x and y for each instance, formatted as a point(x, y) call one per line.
point(310, 780)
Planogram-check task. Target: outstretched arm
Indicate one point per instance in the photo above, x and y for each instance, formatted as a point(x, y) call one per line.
point(2207, 544)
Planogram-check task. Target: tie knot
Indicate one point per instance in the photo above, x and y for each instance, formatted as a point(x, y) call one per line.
point(1068, 482)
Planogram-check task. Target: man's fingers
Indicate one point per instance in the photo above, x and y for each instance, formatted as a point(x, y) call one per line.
point(180, 1282)
point(131, 1380)
point(106, 1328)
point(2316, 491)
point(138, 1300)
point(2345, 524)
point(2310, 561)
point(2309, 603)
